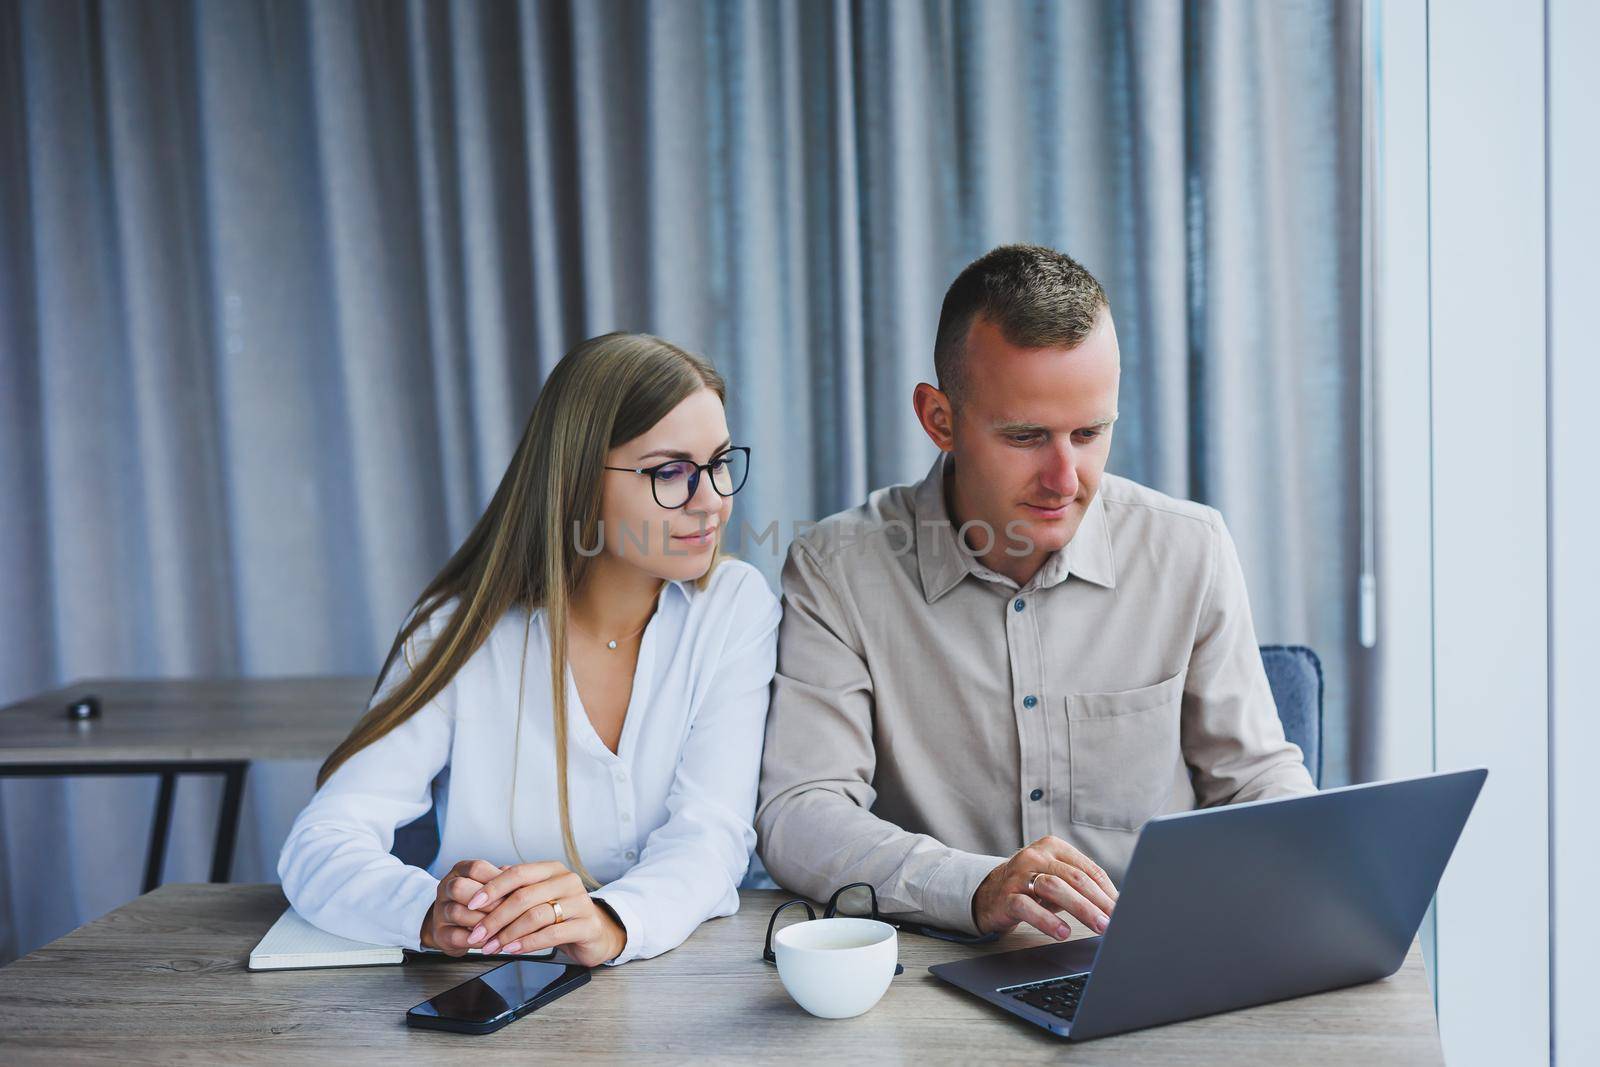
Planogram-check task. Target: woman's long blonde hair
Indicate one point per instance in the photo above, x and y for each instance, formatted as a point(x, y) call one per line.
point(523, 552)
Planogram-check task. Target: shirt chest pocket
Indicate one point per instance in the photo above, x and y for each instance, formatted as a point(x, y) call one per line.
point(1125, 753)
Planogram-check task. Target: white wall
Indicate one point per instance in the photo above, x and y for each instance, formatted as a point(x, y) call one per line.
point(1487, 254)
point(1488, 326)
point(1574, 324)
point(1398, 35)
point(1395, 48)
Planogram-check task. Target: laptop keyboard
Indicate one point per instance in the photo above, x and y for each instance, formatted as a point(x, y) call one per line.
point(1058, 996)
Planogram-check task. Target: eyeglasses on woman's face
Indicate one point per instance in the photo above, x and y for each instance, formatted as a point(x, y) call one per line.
point(675, 482)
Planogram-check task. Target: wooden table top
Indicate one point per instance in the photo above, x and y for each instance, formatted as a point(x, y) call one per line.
point(163, 980)
point(186, 720)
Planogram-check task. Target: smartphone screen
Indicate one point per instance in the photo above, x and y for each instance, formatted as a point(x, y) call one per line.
point(500, 992)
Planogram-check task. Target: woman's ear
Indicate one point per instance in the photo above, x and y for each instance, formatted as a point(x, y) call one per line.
point(936, 414)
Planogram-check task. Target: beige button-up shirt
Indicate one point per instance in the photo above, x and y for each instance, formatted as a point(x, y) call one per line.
point(929, 717)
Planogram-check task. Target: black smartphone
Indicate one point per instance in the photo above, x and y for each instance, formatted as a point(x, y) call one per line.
point(484, 1004)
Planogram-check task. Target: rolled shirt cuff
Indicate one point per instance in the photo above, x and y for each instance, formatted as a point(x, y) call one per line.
point(1286, 780)
point(947, 894)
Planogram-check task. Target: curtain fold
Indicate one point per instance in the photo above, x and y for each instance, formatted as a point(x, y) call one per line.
point(279, 282)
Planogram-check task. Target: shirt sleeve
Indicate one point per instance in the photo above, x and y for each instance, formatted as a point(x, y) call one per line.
point(815, 821)
point(691, 865)
point(1232, 737)
point(336, 867)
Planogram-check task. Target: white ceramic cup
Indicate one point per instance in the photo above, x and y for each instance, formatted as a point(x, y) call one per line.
point(836, 968)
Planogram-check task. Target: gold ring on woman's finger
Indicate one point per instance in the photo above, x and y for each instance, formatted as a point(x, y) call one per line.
point(556, 904)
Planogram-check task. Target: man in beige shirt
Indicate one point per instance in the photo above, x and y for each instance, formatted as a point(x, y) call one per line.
point(1020, 648)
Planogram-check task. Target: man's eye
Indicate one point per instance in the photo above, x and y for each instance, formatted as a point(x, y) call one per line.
point(1088, 435)
point(672, 472)
point(1022, 438)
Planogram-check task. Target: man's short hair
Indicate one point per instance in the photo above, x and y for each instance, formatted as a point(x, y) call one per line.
point(1037, 297)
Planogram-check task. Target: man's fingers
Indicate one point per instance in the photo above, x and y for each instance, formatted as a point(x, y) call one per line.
point(1024, 908)
point(1076, 857)
point(511, 878)
point(1061, 896)
point(460, 915)
point(1059, 881)
point(1103, 880)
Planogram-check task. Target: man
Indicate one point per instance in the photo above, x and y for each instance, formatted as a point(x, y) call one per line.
point(1021, 648)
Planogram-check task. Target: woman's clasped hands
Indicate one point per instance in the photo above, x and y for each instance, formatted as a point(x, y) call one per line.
point(526, 907)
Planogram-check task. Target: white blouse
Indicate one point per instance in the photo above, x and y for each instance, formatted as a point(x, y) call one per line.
point(664, 823)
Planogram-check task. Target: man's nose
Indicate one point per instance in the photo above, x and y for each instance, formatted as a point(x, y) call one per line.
point(1060, 474)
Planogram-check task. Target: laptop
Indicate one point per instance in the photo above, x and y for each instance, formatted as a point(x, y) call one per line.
point(1228, 907)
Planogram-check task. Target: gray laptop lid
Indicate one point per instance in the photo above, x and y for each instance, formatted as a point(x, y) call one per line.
point(1227, 907)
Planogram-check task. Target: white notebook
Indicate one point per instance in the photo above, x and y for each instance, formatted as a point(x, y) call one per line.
point(293, 942)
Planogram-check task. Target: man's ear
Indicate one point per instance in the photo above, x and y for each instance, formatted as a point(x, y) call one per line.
point(937, 415)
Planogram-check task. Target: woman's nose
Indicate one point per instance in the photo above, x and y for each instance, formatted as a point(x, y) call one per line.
point(704, 498)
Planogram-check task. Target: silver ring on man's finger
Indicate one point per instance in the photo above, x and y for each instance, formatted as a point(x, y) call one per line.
point(1031, 879)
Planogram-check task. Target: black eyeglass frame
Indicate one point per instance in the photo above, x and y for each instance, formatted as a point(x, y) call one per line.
point(694, 476)
point(831, 909)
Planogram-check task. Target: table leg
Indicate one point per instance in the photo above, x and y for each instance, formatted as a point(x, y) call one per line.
point(233, 772)
point(156, 855)
point(228, 821)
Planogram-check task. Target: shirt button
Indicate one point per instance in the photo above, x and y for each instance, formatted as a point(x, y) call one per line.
point(630, 854)
point(627, 816)
point(621, 775)
point(1029, 701)
point(1018, 604)
point(1036, 794)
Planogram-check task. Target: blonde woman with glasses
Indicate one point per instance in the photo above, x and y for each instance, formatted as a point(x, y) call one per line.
point(581, 693)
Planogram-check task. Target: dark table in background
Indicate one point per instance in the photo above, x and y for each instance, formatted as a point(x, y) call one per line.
point(168, 727)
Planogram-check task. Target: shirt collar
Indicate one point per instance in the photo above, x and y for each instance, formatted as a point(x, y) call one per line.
point(942, 561)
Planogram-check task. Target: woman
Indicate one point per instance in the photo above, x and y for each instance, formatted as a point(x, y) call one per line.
point(585, 680)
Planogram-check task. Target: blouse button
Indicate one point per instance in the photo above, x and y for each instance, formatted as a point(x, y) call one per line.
point(630, 855)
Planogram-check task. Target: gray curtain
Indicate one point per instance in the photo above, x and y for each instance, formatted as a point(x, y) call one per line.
point(279, 283)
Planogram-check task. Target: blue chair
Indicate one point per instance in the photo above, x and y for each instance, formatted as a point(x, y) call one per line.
point(1295, 674)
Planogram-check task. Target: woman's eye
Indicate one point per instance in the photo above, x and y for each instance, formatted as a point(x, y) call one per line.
point(671, 472)
point(719, 464)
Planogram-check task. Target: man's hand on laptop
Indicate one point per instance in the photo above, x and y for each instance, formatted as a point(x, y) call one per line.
point(1063, 879)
